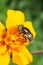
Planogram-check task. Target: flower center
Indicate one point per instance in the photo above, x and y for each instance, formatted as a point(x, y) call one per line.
point(13, 38)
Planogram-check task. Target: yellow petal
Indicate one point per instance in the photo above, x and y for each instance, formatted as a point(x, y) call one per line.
point(29, 25)
point(27, 54)
point(3, 49)
point(14, 18)
point(4, 59)
point(19, 58)
point(1, 28)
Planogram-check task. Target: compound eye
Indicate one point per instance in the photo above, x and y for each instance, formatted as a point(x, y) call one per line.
point(20, 27)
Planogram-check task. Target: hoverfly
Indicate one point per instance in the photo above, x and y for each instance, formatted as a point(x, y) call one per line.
point(26, 32)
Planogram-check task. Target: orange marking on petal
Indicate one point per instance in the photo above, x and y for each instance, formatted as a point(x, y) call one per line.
point(21, 40)
point(2, 43)
point(4, 34)
point(13, 30)
point(16, 49)
point(19, 34)
point(8, 39)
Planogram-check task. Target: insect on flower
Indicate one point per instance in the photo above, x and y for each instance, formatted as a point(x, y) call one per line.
point(26, 32)
point(14, 40)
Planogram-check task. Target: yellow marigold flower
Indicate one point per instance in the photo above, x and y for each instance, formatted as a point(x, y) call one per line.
point(15, 37)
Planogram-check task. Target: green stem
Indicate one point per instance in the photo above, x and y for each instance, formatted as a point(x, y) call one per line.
point(39, 52)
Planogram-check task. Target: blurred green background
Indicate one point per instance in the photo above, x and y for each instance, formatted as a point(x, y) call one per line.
point(33, 10)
